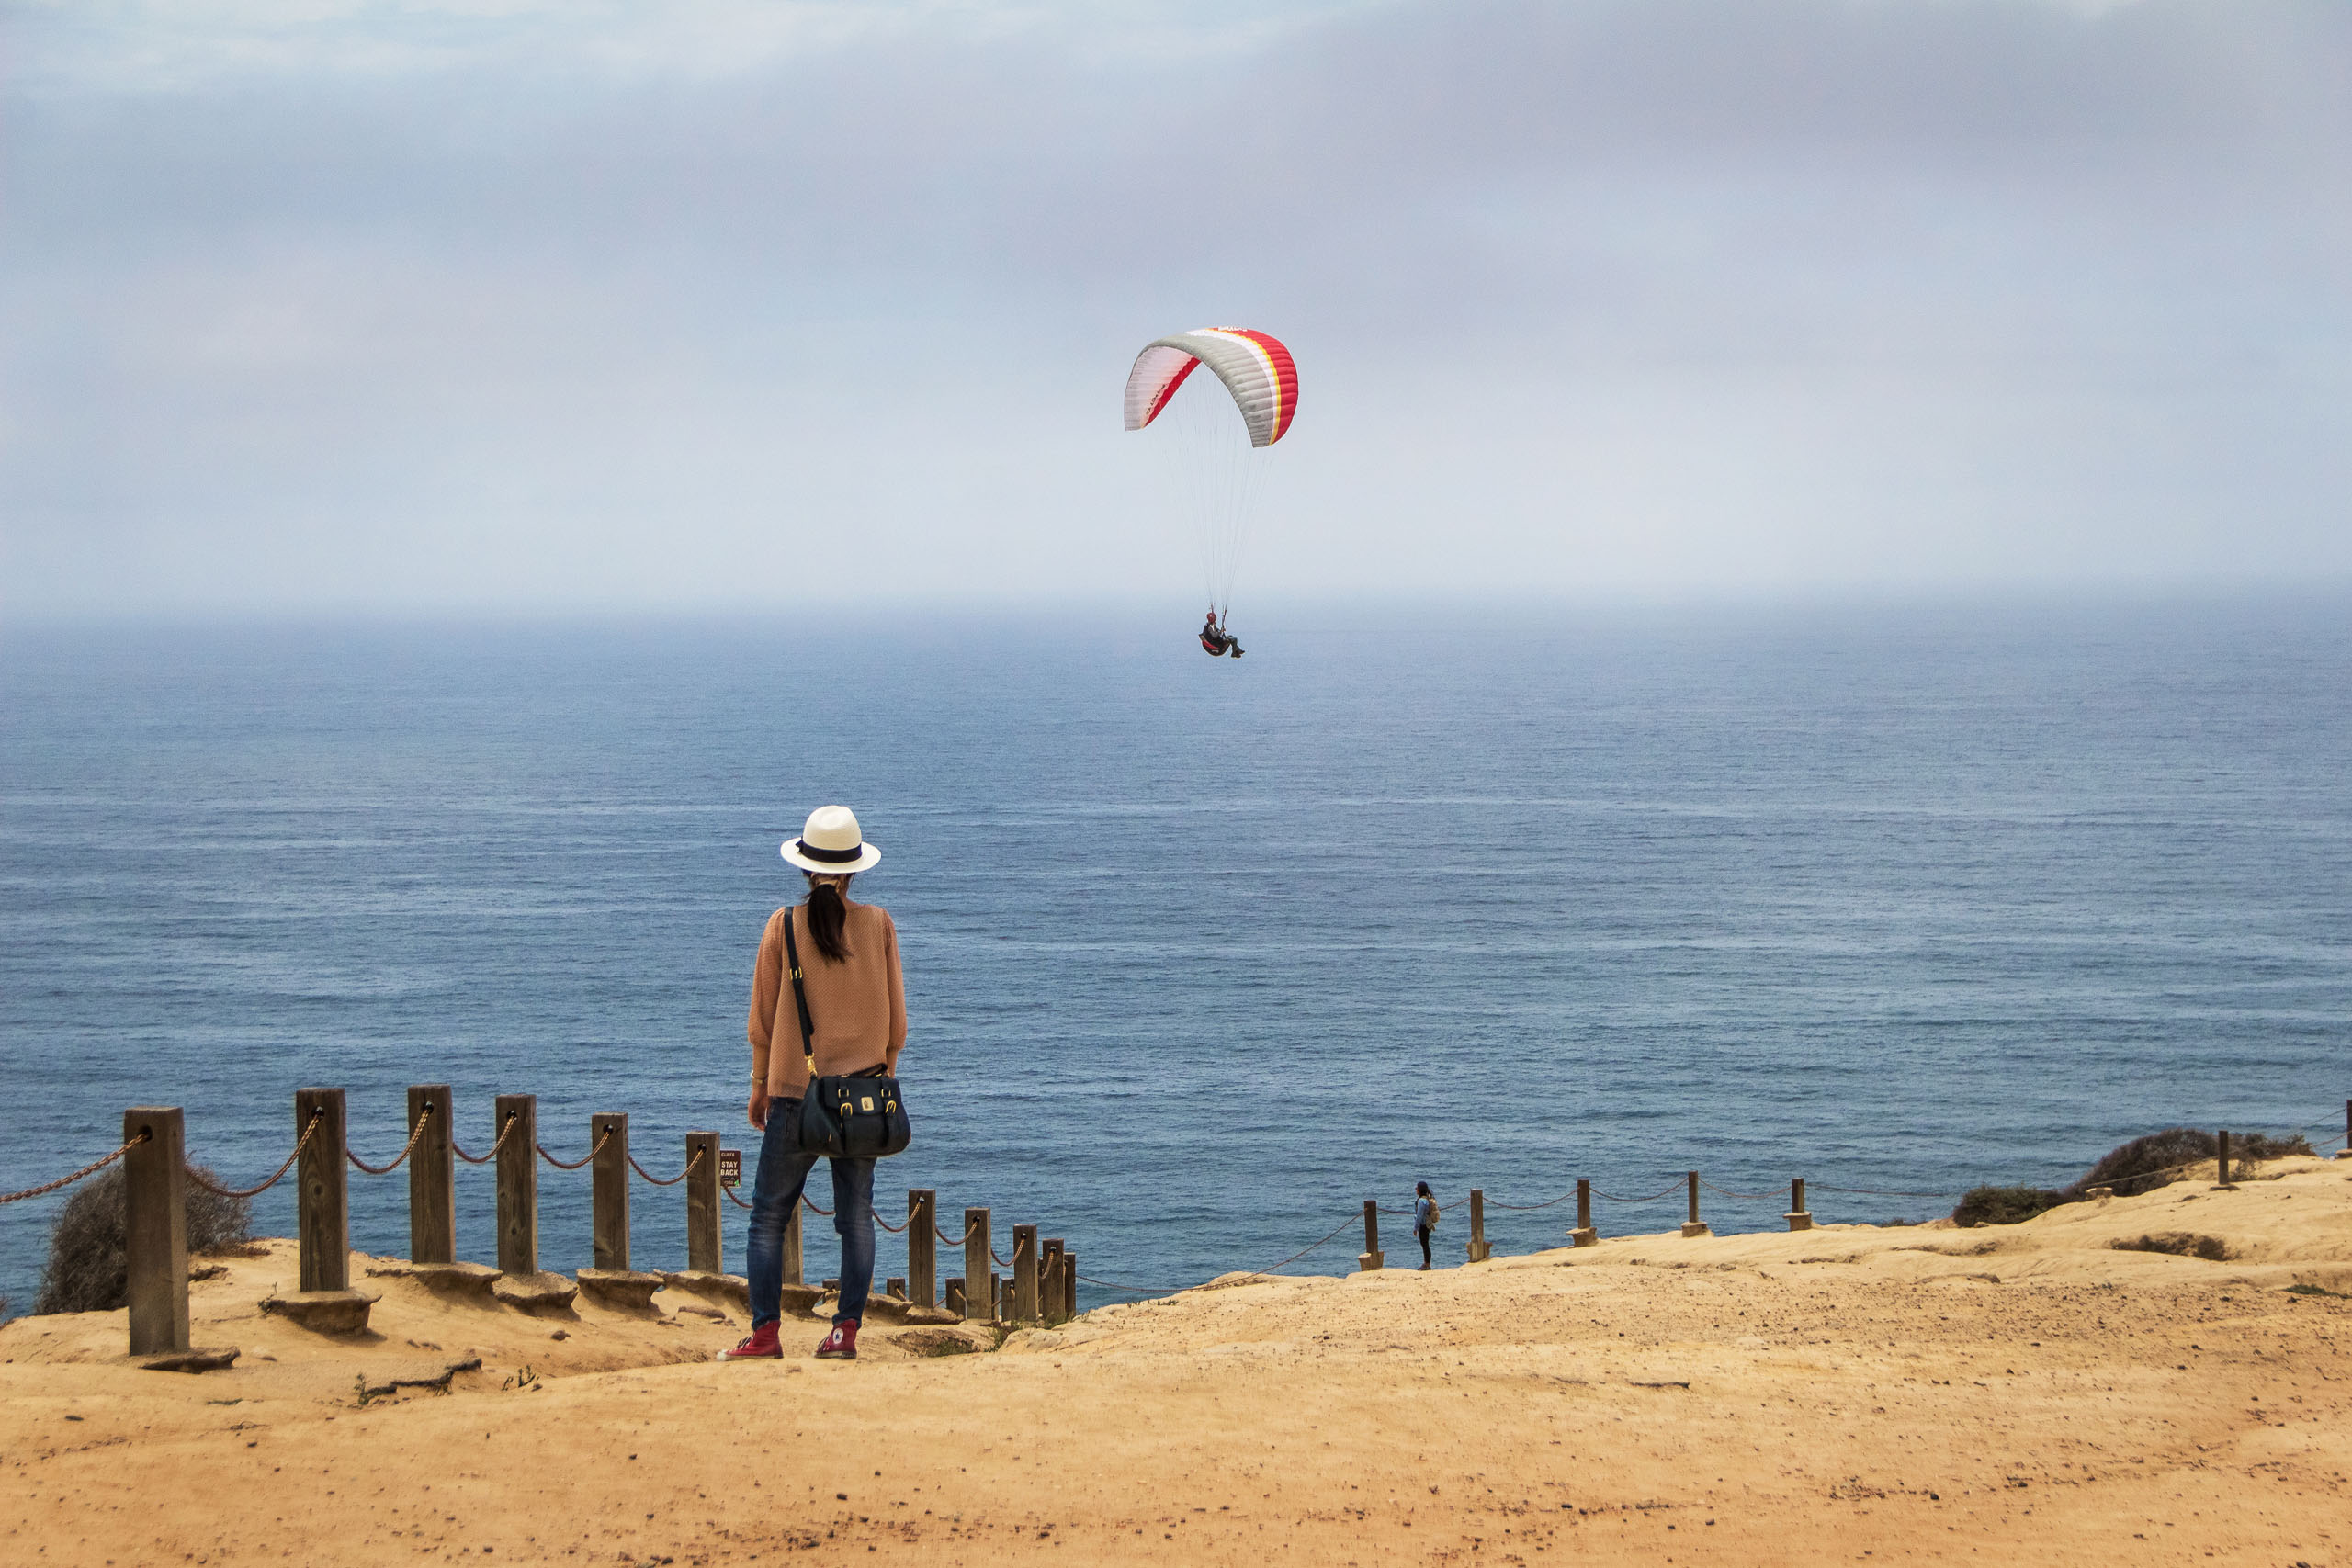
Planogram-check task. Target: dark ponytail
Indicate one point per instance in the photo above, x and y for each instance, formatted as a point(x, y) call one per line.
point(827, 911)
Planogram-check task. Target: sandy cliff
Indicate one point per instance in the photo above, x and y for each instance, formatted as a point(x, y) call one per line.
point(2026, 1395)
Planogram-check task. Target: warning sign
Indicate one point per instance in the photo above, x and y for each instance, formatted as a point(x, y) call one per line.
point(731, 1167)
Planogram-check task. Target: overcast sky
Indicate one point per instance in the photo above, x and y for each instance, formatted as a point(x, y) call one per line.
point(491, 303)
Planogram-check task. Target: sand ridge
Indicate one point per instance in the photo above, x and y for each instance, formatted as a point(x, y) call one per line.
point(2025, 1394)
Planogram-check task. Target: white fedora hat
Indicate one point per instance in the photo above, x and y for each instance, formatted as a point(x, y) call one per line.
point(831, 843)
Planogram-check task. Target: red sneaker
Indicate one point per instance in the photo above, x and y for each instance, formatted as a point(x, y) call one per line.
point(761, 1346)
point(842, 1343)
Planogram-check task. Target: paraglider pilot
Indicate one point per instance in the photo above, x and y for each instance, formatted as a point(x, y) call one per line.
point(1216, 639)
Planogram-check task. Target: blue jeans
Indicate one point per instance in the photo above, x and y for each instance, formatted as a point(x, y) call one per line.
point(783, 1171)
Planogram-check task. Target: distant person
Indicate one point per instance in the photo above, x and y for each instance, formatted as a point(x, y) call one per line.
point(1424, 1218)
point(1215, 640)
point(848, 963)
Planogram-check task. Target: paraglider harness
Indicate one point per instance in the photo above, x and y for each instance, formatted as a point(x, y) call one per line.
point(1215, 640)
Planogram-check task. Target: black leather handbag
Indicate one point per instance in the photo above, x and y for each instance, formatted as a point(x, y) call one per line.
point(859, 1117)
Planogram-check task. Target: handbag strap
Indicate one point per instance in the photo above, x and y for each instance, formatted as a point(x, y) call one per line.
point(800, 998)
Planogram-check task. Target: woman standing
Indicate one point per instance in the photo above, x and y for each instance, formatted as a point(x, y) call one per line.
point(857, 1007)
point(1424, 1218)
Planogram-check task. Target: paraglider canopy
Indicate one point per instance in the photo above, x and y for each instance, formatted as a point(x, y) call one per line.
point(1213, 440)
point(1255, 368)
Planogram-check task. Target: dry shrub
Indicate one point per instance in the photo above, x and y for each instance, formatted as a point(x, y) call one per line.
point(87, 1269)
point(2141, 1166)
point(2004, 1205)
point(2179, 1243)
point(2256, 1148)
point(2146, 1164)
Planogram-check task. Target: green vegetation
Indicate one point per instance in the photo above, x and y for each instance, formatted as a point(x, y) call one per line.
point(2141, 1166)
point(2146, 1164)
point(2004, 1205)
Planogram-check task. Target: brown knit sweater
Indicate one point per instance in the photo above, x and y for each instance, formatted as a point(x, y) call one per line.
point(859, 1005)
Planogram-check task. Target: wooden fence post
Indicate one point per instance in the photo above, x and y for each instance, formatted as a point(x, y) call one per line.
point(1070, 1284)
point(792, 1246)
point(1694, 1225)
point(922, 1246)
point(432, 1177)
point(980, 1305)
point(1479, 1251)
point(2222, 1165)
point(2346, 1152)
point(155, 1229)
point(1797, 1217)
point(702, 1203)
point(518, 1184)
point(954, 1298)
point(1369, 1258)
point(322, 1204)
point(608, 1188)
point(1025, 1274)
point(1584, 1235)
point(1049, 1280)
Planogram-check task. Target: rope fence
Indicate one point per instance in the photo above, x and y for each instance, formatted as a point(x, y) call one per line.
point(70, 1179)
point(1529, 1208)
point(309, 1132)
point(505, 1131)
point(1743, 1197)
point(406, 1149)
point(692, 1160)
point(1043, 1270)
point(1666, 1192)
point(563, 1165)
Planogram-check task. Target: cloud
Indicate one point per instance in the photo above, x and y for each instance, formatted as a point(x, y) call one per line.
point(518, 304)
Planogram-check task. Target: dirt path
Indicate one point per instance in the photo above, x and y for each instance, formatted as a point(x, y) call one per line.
point(2028, 1394)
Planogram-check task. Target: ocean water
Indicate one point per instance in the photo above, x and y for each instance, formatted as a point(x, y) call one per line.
point(1199, 956)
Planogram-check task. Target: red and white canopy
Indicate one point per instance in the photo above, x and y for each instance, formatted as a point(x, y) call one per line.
point(1255, 368)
